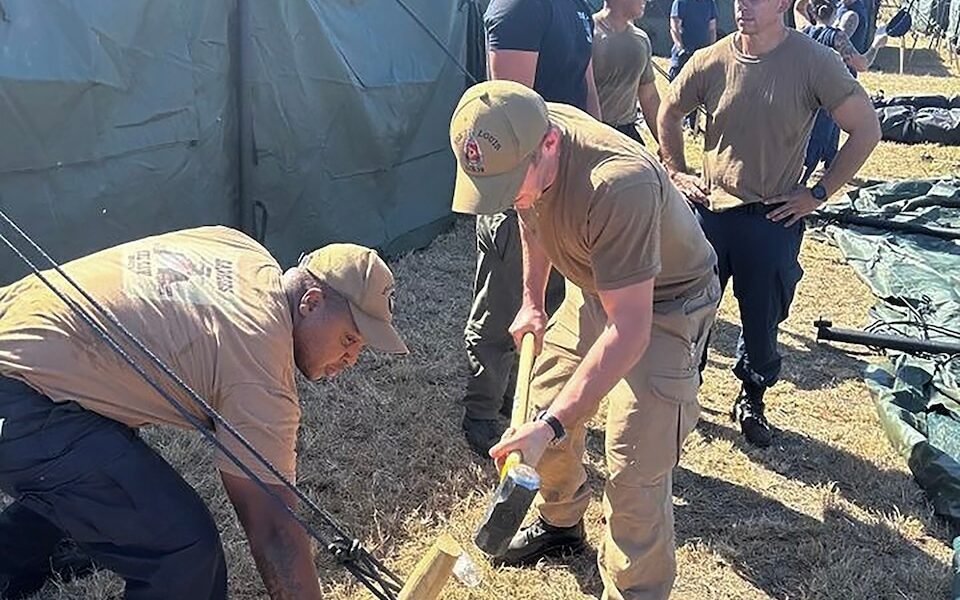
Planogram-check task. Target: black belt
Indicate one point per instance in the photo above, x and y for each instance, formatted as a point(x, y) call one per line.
point(753, 208)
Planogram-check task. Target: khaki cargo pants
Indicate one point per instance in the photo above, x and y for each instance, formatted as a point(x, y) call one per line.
point(649, 414)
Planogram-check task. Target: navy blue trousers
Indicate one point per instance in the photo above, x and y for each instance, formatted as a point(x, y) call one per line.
point(78, 475)
point(762, 258)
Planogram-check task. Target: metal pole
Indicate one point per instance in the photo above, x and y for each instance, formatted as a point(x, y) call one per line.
point(826, 331)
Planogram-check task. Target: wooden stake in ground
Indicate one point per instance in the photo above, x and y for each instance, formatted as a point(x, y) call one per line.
point(431, 573)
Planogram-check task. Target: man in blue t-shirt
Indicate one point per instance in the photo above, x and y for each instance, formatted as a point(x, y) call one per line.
point(693, 25)
point(546, 45)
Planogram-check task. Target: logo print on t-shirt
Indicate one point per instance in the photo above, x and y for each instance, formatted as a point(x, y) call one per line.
point(167, 273)
point(472, 157)
point(175, 267)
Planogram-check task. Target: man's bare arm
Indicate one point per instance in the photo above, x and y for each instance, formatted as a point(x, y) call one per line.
point(280, 546)
point(513, 65)
point(536, 265)
point(676, 31)
point(857, 117)
point(849, 22)
point(621, 344)
point(593, 98)
point(536, 272)
point(619, 347)
point(649, 99)
point(670, 130)
point(850, 55)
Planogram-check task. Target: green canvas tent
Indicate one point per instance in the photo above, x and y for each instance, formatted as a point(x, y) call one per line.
point(302, 121)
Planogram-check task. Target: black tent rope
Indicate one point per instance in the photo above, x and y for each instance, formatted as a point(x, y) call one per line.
point(382, 583)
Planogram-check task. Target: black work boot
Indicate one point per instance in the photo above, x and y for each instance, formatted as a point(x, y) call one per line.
point(482, 434)
point(541, 539)
point(748, 412)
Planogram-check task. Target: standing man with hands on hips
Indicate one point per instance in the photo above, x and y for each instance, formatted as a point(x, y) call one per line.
point(762, 87)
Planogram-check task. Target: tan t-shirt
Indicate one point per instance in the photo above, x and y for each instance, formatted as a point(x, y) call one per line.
point(761, 111)
point(612, 218)
point(621, 63)
point(208, 302)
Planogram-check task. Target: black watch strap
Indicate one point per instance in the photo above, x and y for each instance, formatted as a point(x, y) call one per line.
point(558, 431)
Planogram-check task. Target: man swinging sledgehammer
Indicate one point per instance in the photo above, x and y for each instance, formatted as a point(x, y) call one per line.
point(214, 306)
point(642, 293)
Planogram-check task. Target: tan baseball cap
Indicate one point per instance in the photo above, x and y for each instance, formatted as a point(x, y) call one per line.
point(494, 132)
point(360, 276)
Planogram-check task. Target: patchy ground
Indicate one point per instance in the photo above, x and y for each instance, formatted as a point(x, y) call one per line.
point(829, 511)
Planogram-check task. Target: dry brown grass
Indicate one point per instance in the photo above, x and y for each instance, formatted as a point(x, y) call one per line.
point(828, 512)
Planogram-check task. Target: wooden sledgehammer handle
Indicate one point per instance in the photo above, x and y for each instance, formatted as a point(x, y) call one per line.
point(521, 398)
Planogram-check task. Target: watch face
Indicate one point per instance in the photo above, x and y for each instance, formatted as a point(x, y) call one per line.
point(818, 192)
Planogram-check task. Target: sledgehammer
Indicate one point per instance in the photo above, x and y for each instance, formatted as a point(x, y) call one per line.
point(519, 483)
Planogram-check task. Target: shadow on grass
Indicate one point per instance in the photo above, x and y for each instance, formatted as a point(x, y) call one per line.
point(815, 366)
point(788, 554)
point(920, 61)
point(807, 460)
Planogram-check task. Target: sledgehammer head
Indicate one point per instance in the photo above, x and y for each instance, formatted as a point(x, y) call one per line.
point(513, 497)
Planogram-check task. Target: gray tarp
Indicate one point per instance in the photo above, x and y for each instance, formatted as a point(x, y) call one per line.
point(122, 119)
point(916, 279)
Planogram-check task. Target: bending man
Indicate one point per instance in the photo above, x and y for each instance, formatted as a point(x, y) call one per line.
point(641, 296)
point(216, 308)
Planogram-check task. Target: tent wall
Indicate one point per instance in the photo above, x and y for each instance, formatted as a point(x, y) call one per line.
point(125, 119)
point(118, 120)
point(350, 104)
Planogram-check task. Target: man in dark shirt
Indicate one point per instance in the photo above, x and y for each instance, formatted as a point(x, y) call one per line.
point(693, 25)
point(545, 45)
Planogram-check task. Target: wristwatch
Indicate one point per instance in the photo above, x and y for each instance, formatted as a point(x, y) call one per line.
point(559, 433)
point(819, 192)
